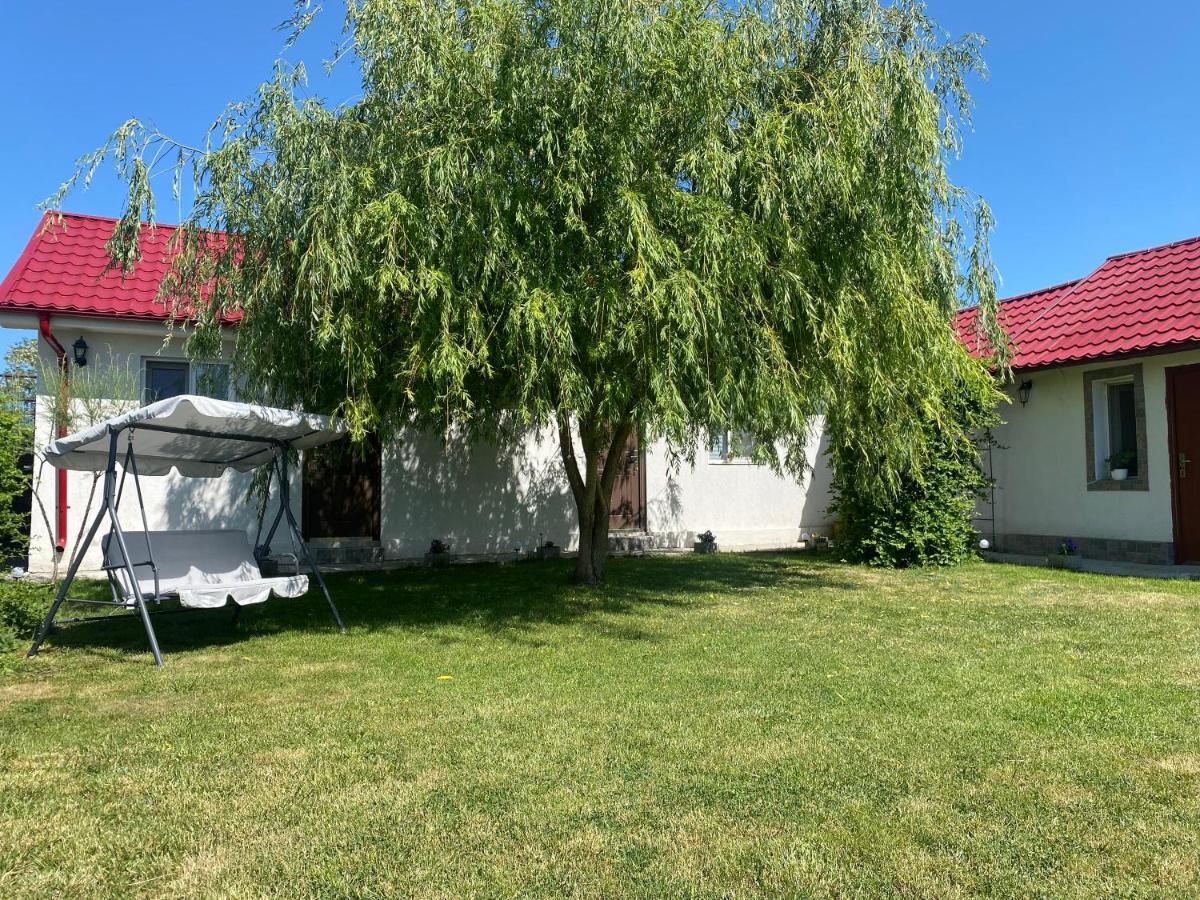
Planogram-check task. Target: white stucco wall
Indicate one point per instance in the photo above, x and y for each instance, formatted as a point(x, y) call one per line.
point(484, 499)
point(1041, 467)
point(746, 506)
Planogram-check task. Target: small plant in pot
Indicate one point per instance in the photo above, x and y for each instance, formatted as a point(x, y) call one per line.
point(705, 543)
point(1120, 464)
point(439, 553)
point(1067, 556)
point(548, 550)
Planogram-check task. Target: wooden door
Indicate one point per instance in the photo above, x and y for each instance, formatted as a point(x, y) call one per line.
point(627, 507)
point(1183, 416)
point(342, 483)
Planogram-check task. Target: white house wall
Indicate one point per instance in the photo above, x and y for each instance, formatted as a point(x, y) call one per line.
point(1041, 466)
point(746, 506)
point(482, 498)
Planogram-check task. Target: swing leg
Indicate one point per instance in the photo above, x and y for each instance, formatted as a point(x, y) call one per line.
point(286, 509)
point(66, 585)
point(337, 617)
point(119, 534)
point(145, 614)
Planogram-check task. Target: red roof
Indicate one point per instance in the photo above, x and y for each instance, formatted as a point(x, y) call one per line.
point(1142, 302)
point(65, 268)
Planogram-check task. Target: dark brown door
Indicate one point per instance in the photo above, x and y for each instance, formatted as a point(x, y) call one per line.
point(627, 509)
point(342, 490)
point(1183, 415)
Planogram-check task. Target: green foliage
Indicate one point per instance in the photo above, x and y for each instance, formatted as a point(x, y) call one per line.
point(83, 396)
point(23, 605)
point(600, 216)
point(16, 442)
point(927, 521)
point(1123, 459)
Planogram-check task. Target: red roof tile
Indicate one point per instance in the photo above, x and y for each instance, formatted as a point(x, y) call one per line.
point(65, 269)
point(1141, 302)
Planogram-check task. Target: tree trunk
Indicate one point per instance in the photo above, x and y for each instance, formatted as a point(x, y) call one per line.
point(591, 487)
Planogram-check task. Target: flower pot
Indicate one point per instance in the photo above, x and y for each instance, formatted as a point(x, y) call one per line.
point(1119, 474)
point(438, 559)
point(704, 547)
point(548, 552)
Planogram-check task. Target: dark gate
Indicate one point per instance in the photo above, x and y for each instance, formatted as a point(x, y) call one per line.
point(342, 487)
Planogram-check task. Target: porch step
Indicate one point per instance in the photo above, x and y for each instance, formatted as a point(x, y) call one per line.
point(634, 542)
point(350, 553)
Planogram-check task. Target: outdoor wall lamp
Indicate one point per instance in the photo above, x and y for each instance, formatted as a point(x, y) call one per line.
point(1024, 391)
point(80, 348)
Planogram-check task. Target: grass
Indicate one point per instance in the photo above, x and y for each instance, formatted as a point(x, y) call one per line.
point(718, 726)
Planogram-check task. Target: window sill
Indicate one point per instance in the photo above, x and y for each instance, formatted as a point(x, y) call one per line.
point(737, 461)
point(1129, 484)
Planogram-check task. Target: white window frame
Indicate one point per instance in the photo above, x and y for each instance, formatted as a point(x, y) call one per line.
point(1102, 427)
point(1098, 428)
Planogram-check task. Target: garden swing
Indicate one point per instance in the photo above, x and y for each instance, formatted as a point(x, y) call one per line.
point(198, 437)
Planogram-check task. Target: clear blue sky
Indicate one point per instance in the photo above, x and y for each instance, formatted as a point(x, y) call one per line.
point(1086, 140)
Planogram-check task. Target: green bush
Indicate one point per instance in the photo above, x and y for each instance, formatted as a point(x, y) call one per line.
point(928, 520)
point(23, 605)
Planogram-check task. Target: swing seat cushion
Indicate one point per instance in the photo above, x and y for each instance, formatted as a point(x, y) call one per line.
point(202, 568)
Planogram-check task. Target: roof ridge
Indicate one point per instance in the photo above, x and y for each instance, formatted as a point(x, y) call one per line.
point(1166, 246)
point(110, 220)
point(1072, 287)
point(1045, 290)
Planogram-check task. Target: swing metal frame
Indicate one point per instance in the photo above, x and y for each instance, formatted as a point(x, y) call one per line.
point(134, 596)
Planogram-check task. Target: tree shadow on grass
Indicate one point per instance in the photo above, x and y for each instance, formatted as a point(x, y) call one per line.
point(506, 601)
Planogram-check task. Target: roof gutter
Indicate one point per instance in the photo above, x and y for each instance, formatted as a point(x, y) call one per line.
point(60, 492)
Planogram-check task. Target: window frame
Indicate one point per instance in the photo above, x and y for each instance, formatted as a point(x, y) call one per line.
point(726, 457)
point(193, 369)
point(1098, 427)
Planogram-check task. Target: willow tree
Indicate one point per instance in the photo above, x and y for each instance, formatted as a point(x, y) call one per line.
point(596, 217)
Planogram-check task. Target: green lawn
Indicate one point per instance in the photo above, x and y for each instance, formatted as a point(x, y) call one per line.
point(720, 726)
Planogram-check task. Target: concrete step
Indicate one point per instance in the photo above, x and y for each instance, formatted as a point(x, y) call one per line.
point(346, 554)
point(634, 542)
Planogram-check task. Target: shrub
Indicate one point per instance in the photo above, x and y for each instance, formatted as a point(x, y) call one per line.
point(928, 519)
point(23, 605)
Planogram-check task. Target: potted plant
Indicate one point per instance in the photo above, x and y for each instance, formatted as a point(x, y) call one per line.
point(1119, 464)
point(1067, 556)
point(705, 543)
point(548, 550)
point(439, 553)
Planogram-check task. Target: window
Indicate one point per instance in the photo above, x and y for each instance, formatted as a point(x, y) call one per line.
point(170, 378)
point(731, 446)
point(1115, 422)
point(165, 379)
point(1122, 426)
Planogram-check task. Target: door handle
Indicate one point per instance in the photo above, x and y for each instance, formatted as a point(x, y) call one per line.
point(1183, 464)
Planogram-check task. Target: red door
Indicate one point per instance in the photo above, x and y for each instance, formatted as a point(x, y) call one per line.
point(627, 507)
point(1183, 416)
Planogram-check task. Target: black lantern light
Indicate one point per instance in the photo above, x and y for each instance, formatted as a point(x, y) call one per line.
point(80, 348)
point(1024, 391)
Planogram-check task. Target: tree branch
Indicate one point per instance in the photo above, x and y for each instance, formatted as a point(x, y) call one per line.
point(566, 446)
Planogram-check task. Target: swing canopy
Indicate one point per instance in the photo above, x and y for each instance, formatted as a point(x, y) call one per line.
point(198, 436)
